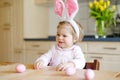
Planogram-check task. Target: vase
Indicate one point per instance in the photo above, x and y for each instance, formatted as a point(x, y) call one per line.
point(101, 29)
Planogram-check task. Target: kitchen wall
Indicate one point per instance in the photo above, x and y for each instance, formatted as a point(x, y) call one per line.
point(35, 20)
point(82, 16)
point(40, 21)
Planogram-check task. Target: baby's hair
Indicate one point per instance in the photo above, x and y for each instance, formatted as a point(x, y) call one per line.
point(81, 31)
point(72, 29)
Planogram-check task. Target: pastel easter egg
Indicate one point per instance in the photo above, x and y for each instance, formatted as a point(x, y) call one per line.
point(20, 68)
point(89, 74)
point(70, 71)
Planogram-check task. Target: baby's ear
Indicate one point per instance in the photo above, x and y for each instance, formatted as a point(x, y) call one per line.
point(75, 39)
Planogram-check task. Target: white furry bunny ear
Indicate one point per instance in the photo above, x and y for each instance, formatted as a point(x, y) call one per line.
point(66, 11)
point(72, 8)
point(58, 7)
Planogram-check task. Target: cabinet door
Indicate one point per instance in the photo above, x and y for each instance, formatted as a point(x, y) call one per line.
point(91, 57)
point(19, 55)
point(33, 50)
point(18, 25)
point(5, 30)
point(107, 53)
point(17, 20)
point(111, 63)
point(104, 47)
point(107, 62)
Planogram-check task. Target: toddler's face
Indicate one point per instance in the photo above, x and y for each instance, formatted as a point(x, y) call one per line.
point(64, 38)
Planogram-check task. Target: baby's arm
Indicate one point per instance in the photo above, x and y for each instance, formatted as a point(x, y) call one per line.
point(79, 59)
point(43, 60)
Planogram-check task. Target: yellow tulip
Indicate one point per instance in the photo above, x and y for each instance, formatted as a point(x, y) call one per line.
point(95, 2)
point(90, 4)
point(108, 3)
point(97, 5)
point(101, 1)
point(105, 6)
point(101, 8)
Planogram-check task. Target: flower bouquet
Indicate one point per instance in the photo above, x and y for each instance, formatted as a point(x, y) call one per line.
point(103, 13)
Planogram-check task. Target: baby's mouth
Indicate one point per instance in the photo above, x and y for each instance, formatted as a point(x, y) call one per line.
point(60, 42)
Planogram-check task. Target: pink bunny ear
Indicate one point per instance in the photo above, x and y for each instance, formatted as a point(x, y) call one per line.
point(58, 7)
point(72, 7)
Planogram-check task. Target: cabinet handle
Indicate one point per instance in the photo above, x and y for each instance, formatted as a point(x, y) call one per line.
point(7, 4)
point(7, 24)
point(96, 57)
point(6, 28)
point(18, 51)
point(110, 48)
point(40, 53)
point(35, 45)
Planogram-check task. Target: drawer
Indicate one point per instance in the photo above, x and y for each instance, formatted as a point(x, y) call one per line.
point(104, 57)
point(107, 62)
point(37, 45)
point(104, 47)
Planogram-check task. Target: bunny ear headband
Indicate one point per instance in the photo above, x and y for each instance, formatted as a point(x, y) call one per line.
point(66, 11)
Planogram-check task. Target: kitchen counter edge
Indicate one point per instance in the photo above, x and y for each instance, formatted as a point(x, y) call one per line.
point(86, 38)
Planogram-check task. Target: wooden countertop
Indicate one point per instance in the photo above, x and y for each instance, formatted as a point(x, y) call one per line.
point(7, 72)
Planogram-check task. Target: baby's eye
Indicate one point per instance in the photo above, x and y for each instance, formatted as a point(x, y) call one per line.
point(58, 34)
point(64, 35)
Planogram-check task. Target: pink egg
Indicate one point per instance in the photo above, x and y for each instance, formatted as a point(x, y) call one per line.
point(70, 71)
point(89, 74)
point(20, 68)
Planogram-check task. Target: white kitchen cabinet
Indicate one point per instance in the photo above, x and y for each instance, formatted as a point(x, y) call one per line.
point(35, 50)
point(109, 59)
point(19, 55)
point(108, 53)
point(18, 25)
point(5, 30)
point(11, 31)
point(18, 41)
point(104, 47)
point(18, 20)
point(107, 62)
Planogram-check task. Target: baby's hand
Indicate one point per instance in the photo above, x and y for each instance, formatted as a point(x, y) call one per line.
point(39, 64)
point(64, 66)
